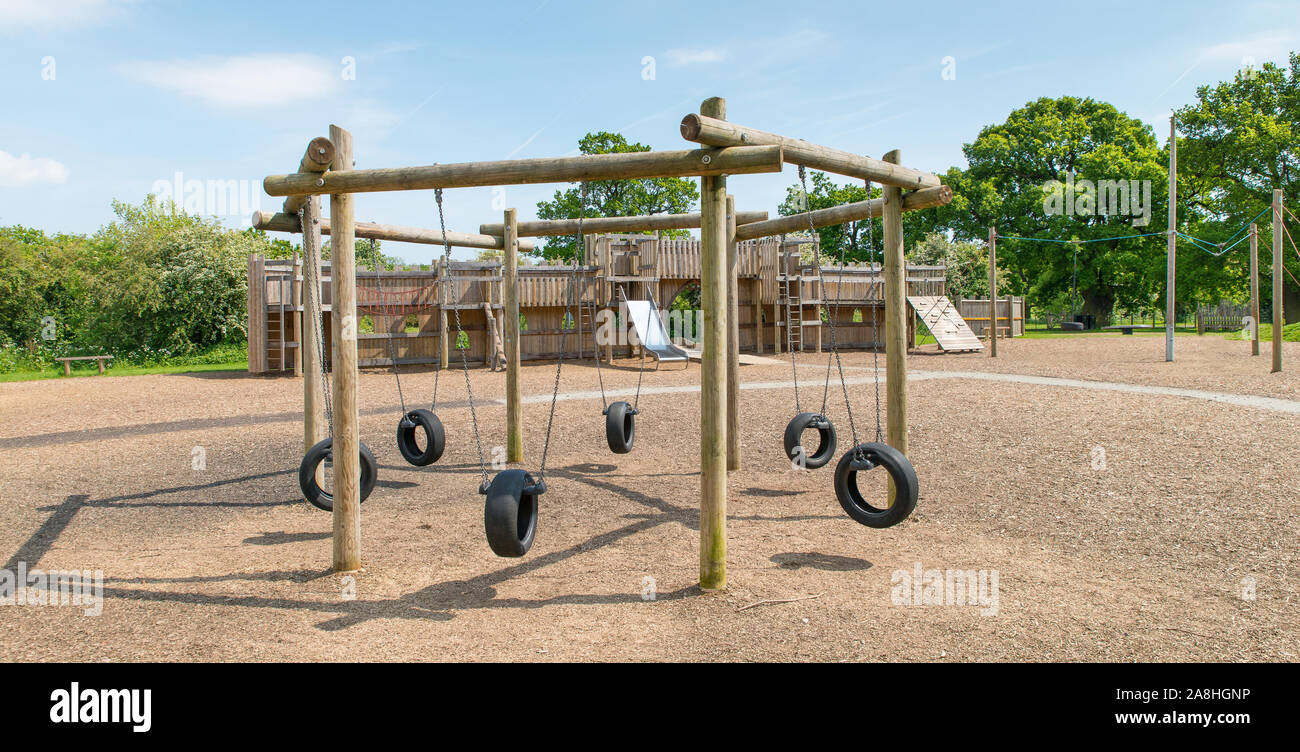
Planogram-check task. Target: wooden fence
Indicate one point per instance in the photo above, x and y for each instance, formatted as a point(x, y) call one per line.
point(1011, 315)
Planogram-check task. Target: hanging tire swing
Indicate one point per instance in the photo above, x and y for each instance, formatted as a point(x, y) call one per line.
point(868, 456)
point(864, 456)
point(510, 512)
point(435, 439)
point(322, 452)
point(620, 427)
point(794, 448)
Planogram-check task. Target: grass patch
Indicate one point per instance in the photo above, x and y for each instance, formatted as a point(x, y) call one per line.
point(1290, 333)
point(222, 357)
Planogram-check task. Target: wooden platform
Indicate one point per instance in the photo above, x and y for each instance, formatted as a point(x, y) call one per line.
point(945, 323)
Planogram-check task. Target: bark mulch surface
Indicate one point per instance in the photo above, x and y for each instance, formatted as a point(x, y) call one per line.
point(1119, 526)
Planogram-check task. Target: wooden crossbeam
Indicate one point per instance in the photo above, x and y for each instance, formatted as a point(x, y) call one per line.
point(716, 132)
point(642, 223)
point(649, 164)
point(317, 159)
point(926, 198)
point(289, 223)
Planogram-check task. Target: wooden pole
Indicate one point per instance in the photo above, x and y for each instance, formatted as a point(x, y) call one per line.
point(713, 372)
point(289, 223)
point(733, 340)
point(926, 198)
point(895, 322)
point(510, 295)
point(993, 293)
point(718, 132)
point(643, 223)
point(313, 393)
point(1254, 288)
point(1278, 319)
point(1170, 252)
point(736, 160)
point(347, 438)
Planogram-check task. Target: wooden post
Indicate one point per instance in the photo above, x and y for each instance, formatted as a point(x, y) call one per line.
point(1278, 320)
point(713, 372)
point(347, 439)
point(1170, 252)
point(1254, 288)
point(295, 286)
point(510, 295)
point(993, 293)
point(733, 340)
point(313, 393)
point(895, 322)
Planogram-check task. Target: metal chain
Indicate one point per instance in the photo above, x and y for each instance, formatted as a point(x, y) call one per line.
point(312, 271)
point(875, 327)
point(780, 262)
point(392, 350)
point(464, 358)
point(817, 258)
point(559, 363)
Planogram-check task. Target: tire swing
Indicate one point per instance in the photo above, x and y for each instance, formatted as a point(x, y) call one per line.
point(323, 451)
point(435, 439)
point(510, 509)
point(620, 417)
point(865, 456)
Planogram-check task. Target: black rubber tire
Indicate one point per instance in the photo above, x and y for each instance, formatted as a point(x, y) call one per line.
point(900, 470)
point(314, 494)
point(509, 514)
point(794, 440)
point(435, 440)
point(620, 427)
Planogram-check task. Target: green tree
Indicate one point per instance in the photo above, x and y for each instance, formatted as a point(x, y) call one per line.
point(614, 198)
point(967, 265)
point(1011, 184)
point(851, 238)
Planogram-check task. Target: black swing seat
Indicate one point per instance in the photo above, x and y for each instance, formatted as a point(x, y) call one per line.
point(863, 458)
point(510, 511)
point(793, 440)
point(435, 439)
point(322, 451)
point(620, 427)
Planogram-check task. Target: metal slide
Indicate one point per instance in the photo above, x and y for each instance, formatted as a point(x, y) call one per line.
point(643, 317)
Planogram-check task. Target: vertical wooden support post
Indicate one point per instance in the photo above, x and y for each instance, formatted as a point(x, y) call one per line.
point(993, 293)
point(1173, 223)
point(713, 372)
point(295, 285)
point(733, 340)
point(1278, 320)
point(347, 439)
point(895, 318)
point(510, 296)
point(1254, 288)
point(313, 393)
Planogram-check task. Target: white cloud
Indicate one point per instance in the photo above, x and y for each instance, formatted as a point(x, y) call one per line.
point(1272, 45)
point(241, 81)
point(680, 57)
point(26, 170)
point(47, 14)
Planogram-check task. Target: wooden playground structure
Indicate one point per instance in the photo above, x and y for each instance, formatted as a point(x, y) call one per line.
point(726, 149)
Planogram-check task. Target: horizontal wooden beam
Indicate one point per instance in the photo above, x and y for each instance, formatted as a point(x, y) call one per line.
point(713, 132)
point(646, 164)
point(289, 223)
point(642, 223)
point(926, 198)
point(317, 159)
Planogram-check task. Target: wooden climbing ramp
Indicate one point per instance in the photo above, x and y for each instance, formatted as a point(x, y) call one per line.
point(945, 323)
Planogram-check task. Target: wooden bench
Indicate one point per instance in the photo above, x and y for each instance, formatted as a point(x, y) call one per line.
point(67, 362)
point(1127, 328)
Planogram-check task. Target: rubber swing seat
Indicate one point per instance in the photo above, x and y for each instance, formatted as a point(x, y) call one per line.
point(321, 452)
point(510, 512)
point(794, 448)
point(620, 427)
point(435, 439)
point(867, 456)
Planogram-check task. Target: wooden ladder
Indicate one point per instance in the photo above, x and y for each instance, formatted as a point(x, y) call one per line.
point(586, 323)
point(791, 290)
point(496, 354)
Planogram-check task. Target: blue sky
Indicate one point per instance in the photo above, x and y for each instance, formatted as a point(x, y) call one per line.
point(104, 99)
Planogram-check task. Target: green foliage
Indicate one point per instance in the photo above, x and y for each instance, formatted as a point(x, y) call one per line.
point(615, 198)
point(967, 263)
point(850, 239)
